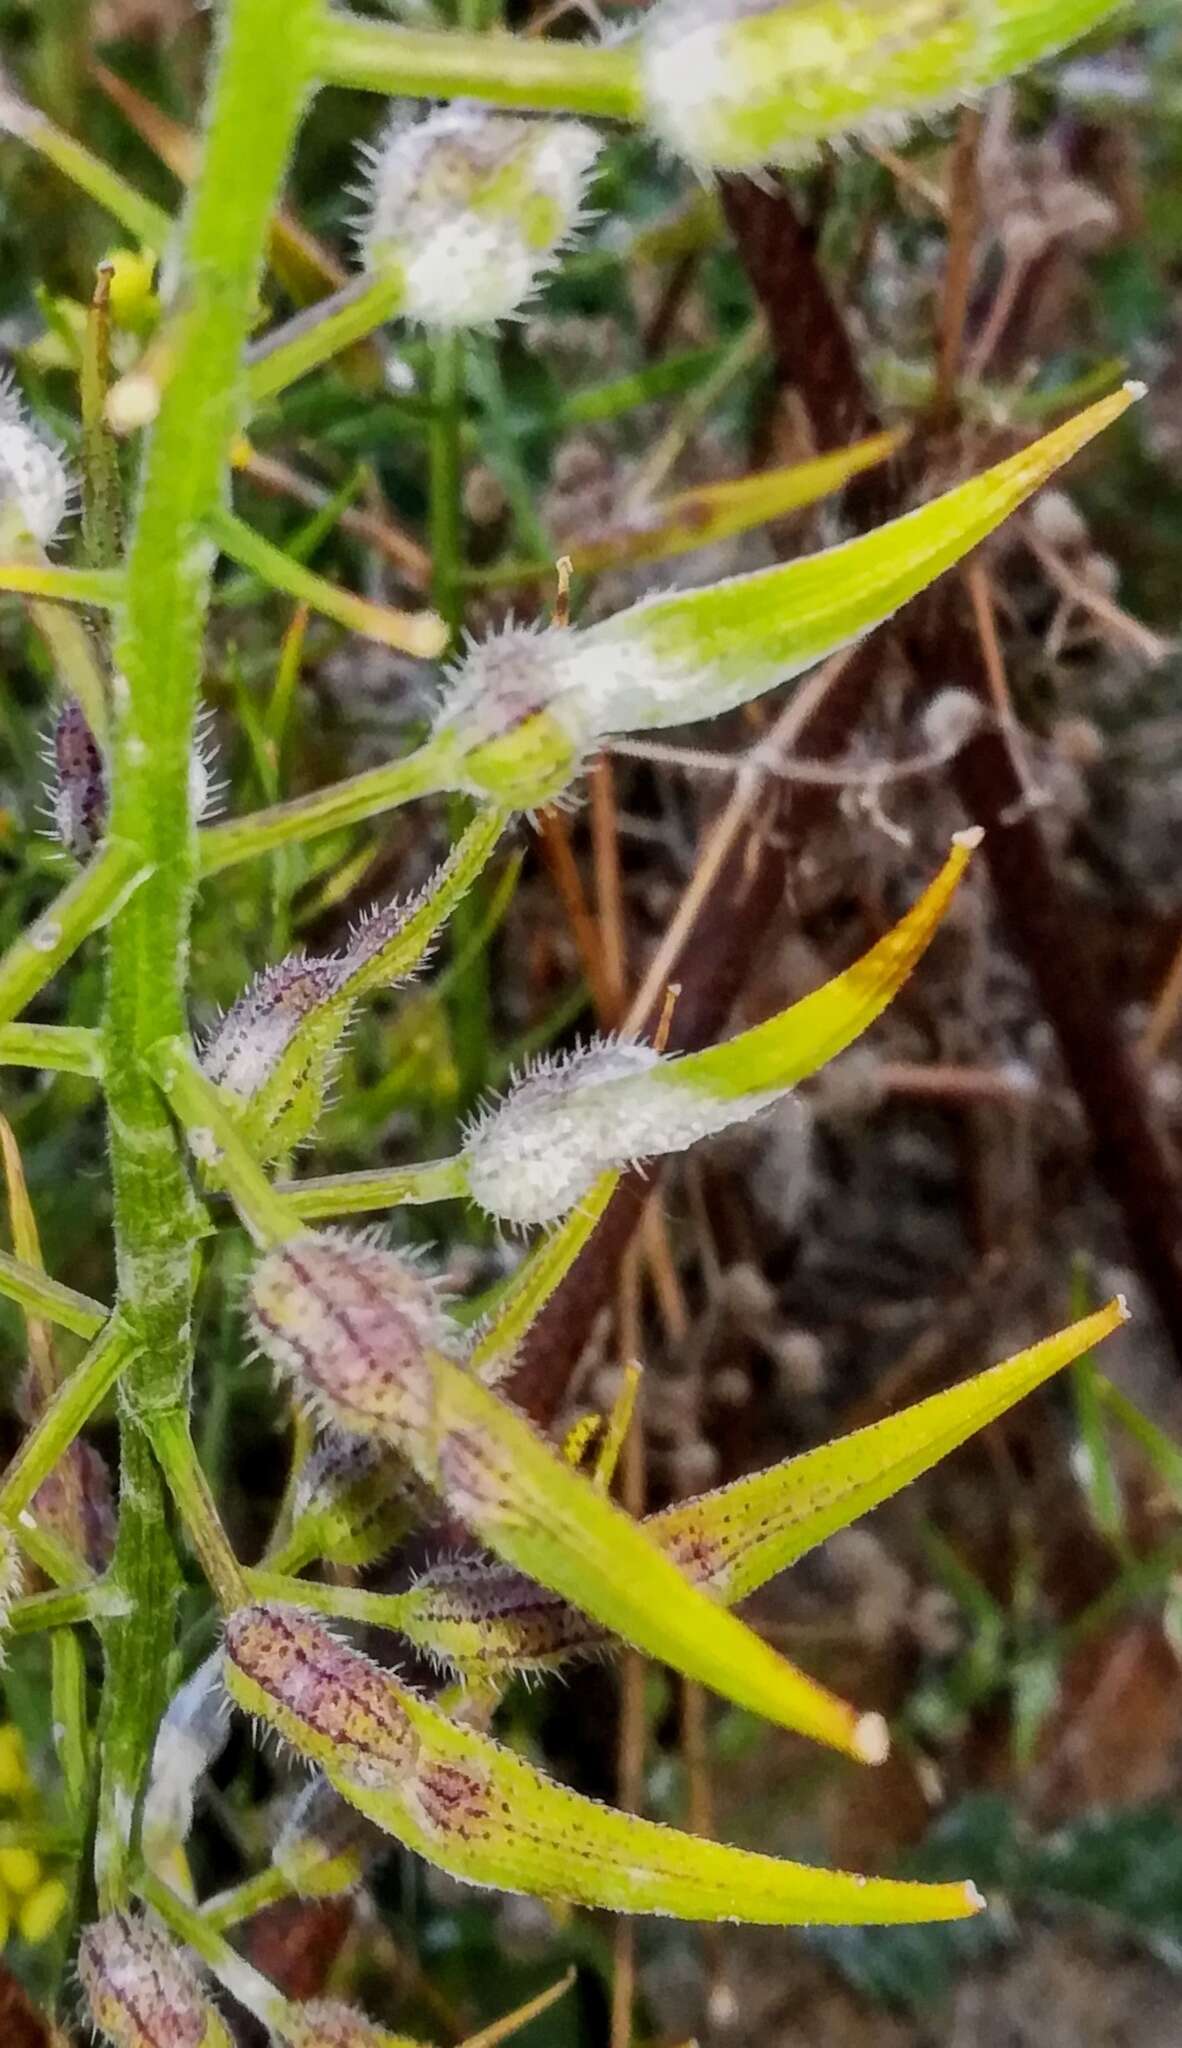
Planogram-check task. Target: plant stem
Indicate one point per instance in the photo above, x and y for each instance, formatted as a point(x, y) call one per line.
point(55, 1048)
point(242, 1901)
point(418, 633)
point(73, 651)
point(38, 1295)
point(351, 1194)
point(508, 71)
point(312, 338)
point(68, 1412)
point(103, 587)
point(204, 1113)
point(142, 218)
point(469, 1003)
point(62, 1608)
point(189, 1488)
point(426, 772)
point(263, 73)
point(346, 1603)
point(114, 875)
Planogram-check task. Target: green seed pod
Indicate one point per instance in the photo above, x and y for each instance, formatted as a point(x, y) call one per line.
point(737, 83)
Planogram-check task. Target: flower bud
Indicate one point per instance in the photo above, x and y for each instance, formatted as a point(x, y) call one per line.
point(79, 795)
point(36, 488)
point(328, 1701)
point(516, 714)
point(353, 1499)
point(12, 1576)
point(487, 1621)
point(471, 209)
point(535, 1155)
point(351, 1324)
point(321, 1849)
point(244, 1049)
point(141, 1991)
point(75, 1501)
point(328, 2023)
point(737, 83)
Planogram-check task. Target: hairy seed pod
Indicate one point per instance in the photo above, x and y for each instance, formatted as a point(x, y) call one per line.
point(323, 1846)
point(470, 209)
point(36, 487)
point(486, 1621)
point(12, 1576)
point(477, 1809)
point(518, 733)
point(329, 1702)
point(76, 1501)
point(79, 794)
point(737, 83)
point(353, 1499)
point(328, 2023)
point(141, 1991)
point(350, 1323)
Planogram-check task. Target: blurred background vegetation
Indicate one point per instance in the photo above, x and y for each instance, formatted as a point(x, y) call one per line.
point(930, 1204)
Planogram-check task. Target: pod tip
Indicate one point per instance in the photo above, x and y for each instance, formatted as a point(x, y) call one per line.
point(975, 1900)
point(872, 1742)
point(970, 838)
point(1135, 389)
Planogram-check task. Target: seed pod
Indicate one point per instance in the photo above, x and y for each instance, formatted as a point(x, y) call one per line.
point(738, 83)
point(533, 1157)
point(276, 1048)
point(322, 1848)
point(142, 1992)
point(79, 795)
point(523, 704)
point(470, 209)
point(353, 1500)
point(76, 1501)
point(12, 1576)
point(519, 731)
point(36, 488)
point(483, 1813)
point(328, 2023)
point(354, 1326)
point(486, 1621)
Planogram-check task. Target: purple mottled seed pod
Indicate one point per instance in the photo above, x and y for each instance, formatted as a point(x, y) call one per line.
point(80, 782)
point(142, 1991)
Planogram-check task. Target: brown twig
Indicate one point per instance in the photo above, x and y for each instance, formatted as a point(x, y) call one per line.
point(958, 271)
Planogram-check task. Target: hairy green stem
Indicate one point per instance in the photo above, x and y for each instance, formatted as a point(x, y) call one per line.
point(352, 1194)
point(55, 1048)
point(262, 76)
point(419, 633)
point(508, 71)
point(189, 1488)
point(102, 587)
point(38, 1295)
point(86, 903)
point(63, 1607)
point(427, 772)
point(312, 338)
point(211, 1129)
